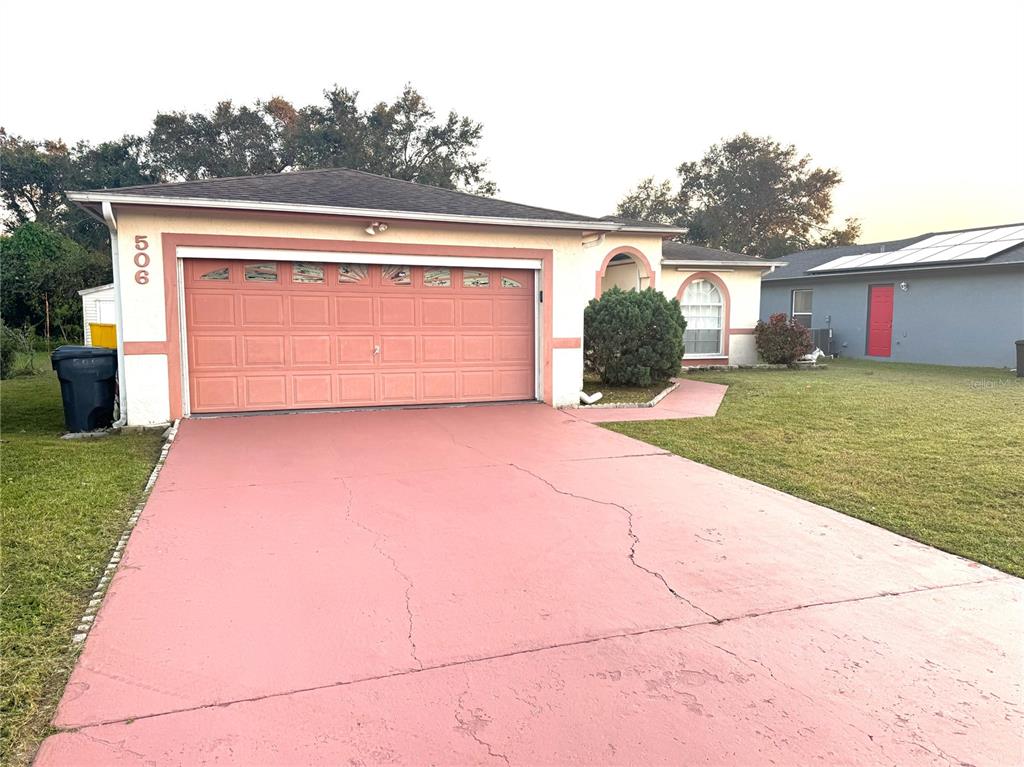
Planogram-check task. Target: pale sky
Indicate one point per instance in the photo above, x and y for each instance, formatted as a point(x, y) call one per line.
point(920, 106)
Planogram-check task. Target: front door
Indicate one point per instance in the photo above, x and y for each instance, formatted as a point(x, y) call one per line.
point(880, 303)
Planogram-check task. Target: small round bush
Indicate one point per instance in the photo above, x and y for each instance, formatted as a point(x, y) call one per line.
point(8, 350)
point(781, 341)
point(633, 338)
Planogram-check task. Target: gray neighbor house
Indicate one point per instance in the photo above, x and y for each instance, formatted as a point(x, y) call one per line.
point(946, 298)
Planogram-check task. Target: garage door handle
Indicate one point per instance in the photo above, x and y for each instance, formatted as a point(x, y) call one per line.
point(376, 349)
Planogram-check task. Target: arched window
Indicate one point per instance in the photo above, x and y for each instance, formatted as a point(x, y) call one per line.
point(703, 309)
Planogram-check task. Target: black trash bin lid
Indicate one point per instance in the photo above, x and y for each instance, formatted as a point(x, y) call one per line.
point(80, 352)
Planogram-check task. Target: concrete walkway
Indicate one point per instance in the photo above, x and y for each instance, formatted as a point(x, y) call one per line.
point(691, 399)
point(512, 585)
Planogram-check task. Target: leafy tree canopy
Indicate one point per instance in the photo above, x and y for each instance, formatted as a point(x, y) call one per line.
point(405, 139)
point(34, 176)
point(43, 271)
point(651, 201)
point(750, 195)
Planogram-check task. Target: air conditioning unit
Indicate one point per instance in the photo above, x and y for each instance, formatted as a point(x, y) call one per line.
point(821, 338)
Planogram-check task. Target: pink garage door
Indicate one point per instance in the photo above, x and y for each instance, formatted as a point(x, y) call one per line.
point(281, 335)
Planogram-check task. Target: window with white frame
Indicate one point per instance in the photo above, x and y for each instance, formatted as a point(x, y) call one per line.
point(704, 311)
point(801, 309)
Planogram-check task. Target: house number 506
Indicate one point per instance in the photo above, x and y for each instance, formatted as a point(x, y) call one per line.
point(141, 258)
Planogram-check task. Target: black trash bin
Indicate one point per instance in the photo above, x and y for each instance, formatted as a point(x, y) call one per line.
point(88, 380)
point(1020, 358)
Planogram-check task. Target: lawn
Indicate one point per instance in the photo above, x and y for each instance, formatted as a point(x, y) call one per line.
point(933, 453)
point(632, 395)
point(65, 504)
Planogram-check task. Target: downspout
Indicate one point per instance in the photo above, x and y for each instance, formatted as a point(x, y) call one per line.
point(122, 387)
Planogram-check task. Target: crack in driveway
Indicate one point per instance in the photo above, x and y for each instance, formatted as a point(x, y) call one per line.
point(635, 540)
point(377, 537)
point(497, 656)
point(119, 747)
point(476, 721)
point(864, 598)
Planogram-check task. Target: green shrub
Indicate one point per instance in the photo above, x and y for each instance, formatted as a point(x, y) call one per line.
point(781, 341)
point(7, 352)
point(634, 338)
point(19, 351)
point(43, 270)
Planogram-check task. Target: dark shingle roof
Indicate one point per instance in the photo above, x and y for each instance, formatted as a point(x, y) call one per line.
point(682, 251)
point(797, 264)
point(342, 188)
point(632, 222)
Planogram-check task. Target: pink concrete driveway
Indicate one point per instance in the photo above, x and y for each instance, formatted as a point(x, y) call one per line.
point(513, 585)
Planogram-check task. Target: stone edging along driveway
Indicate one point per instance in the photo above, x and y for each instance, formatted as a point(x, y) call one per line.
point(82, 631)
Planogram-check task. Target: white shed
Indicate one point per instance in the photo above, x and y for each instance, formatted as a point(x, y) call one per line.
point(97, 306)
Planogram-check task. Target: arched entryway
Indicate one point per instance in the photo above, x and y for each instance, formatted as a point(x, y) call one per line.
point(626, 268)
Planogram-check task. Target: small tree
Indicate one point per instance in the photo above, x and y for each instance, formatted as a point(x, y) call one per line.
point(634, 338)
point(43, 270)
point(781, 341)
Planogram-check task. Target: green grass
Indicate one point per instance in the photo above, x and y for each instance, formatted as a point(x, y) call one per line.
point(933, 453)
point(624, 394)
point(65, 504)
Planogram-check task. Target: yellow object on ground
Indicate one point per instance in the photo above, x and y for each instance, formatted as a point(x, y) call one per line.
point(103, 334)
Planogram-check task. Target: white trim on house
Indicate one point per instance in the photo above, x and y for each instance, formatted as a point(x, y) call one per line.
point(110, 219)
point(695, 263)
point(186, 392)
point(331, 210)
point(333, 257)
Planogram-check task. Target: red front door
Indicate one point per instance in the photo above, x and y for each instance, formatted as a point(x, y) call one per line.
point(880, 301)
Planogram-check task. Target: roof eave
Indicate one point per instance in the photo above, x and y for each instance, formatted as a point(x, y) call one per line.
point(83, 199)
point(662, 230)
point(769, 265)
point(905, 268)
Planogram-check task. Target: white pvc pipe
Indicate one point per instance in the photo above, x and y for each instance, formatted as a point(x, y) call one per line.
point(590, 399)
point(122, 386)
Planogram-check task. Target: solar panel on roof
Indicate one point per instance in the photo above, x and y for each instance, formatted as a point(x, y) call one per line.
point(836, 263)
point(976, 245)
point(1013, 232)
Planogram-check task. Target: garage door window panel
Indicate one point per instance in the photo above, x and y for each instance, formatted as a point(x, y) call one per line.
point(220, 274)
point(475, 278)
point(396, 275)
point(353, 274)
point(210, 274)
point(437, 277)
point(307, 273)
point(264, 271)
